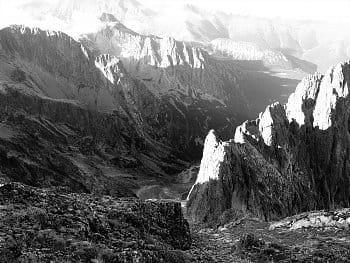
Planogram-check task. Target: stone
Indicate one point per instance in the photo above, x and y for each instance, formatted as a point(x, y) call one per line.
point(293, 158)
point(98, 229)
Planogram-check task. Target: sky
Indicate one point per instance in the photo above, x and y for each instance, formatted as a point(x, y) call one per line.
point(335, 12)
point(301, 9)
point(329, 10)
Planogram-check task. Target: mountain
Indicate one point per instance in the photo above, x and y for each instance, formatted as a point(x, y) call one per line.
point(293, 158)
point(304, 39)
point(249, 51)
point(125, 9)
point(328, 53)
point(147, 103)
point(64, 123)
point(182, 71)
point(67, 110)
point(168, 66)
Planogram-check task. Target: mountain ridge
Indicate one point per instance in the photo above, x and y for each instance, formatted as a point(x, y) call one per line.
point(291, 159)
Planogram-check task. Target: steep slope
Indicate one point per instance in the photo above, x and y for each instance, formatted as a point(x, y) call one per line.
point(70, 119)
point(204, 91)
point(169, 66)
point(67, 109)
point(185, 71)
point(293, 158)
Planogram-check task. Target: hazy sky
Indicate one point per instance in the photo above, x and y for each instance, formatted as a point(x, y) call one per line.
point(334, 11)
point(305, 9)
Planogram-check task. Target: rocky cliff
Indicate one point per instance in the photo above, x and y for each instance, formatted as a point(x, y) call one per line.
point(293, 158)
point(69, 118)
point(168, 66)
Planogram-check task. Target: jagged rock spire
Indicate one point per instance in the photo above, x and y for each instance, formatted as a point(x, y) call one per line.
point(291, 159)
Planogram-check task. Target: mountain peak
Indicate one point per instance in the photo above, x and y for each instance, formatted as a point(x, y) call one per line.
point(213, 156)
point(105, 17)
point(287, 151)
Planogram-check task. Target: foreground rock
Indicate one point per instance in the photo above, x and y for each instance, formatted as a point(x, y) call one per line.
point(249, 239)
point(338, 219)
point(291, 159)
point(52, 225)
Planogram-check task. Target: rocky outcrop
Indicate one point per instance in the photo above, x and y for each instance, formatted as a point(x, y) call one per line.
point(168, 66)
point(321, 219)
point(291, 159)
point(41, 225)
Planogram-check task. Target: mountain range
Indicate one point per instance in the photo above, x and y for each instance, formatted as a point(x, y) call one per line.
point(310, 40)
point(104, 110)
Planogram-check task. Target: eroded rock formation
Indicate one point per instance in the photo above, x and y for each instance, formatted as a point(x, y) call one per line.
point(291, 159)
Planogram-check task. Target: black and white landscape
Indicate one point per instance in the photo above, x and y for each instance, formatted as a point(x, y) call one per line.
point(174, 131)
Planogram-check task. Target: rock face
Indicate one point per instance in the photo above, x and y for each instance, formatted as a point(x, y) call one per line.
point(170, 67)
point(85, 114)
point(291, 159)
point(41, 225)
point(68, 118)
point(71, 118)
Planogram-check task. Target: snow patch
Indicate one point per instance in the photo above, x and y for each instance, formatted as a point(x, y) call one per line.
point(83, 49)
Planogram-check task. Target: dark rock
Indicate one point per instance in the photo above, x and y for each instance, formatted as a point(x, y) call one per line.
point(249, 241)
point(41, 225)
point(108, 18)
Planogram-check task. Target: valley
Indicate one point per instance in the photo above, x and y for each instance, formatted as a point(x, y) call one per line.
point(138, 132)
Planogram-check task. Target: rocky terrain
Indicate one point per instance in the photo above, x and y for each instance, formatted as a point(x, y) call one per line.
point(248, 239)
point(101, 136)
point(70, 118)
point(293, 158)
point(54, 225)
point(117, 106)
